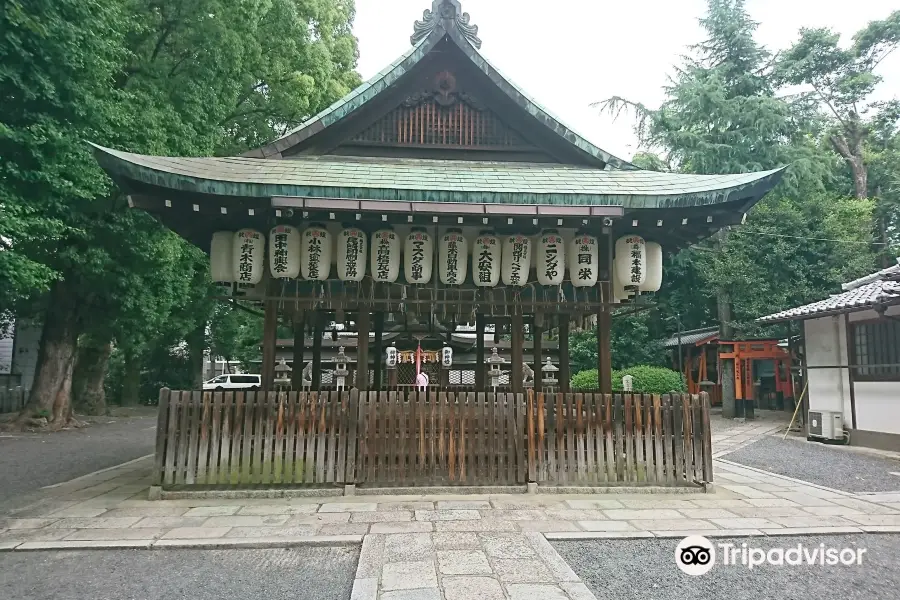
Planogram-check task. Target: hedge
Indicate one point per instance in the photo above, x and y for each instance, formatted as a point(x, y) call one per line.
point(647, 379)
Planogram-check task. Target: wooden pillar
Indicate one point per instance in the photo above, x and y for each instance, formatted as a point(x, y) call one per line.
point(299, 347)
point(537, 332)
point(318, 332)
point(480, 374)
point(565, 375)
point(517, 333)
point(270, 334)
point(378, 352)
point(363, 321)
point(604, 317)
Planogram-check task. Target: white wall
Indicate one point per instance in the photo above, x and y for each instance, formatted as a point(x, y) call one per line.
point(28, 342)
point(877, 402)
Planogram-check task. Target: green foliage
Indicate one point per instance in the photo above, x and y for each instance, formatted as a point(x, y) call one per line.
point(647, 379)
point(632, 341)
point(235, 335)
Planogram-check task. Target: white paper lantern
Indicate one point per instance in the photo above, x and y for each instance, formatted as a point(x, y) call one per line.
point(446, 357)
point(391, 358)
point(284, 252)
point(654, 268)
point(584, 260)
point(221, 257)
point(385, 256)
point(516, 259)
point(486, 256)
point(249, 252)
point(631, 261)
point(315, 253)
point(618, 290)
point(418, 255)
point(551, 258)
point(453, 258)
point(353, 249)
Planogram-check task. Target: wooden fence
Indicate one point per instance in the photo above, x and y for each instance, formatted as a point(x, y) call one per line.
point(13, 399)
point(390, 438)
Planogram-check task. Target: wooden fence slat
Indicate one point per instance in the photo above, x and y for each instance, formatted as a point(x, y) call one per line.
point(232, 475)
point(300, 438)
point(290, 429)
point(668, 448)
point(452, 446)
point(707, 439)
point(333, 403)
point(189, 464)
point(630, 467)
point(678, 438)
point(322, 435)
point(688, 443)
point(246, 462)
point(352, 445)
point(205, 441)
point(162, 418)
point(531, 433)
point(183, 436)
point(443, 451)
point(518, 401)
point(658, 445)
point(639, 438)
point(430, 450)
point(218, 439)
point(543, 458)
point(312, 418)
point(697, 441)
point(609, 445)
point(268, 427)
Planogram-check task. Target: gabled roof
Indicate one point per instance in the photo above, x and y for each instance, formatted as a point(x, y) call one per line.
point(420, 180)
point(694, 337)
point(428, 34)
point(878, 289)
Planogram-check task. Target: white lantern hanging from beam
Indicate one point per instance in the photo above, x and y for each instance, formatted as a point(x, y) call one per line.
point(486, 255)
point(315, 253)
point(221, 257)
point(654, 268)
point(584, 260)
point(551, 258)
point(352, 253)
point(418, 257)
point(516, 260)
point(385, 256)
point(631, 261)
point(284, 252)
point(453, 257)
point(249, 253)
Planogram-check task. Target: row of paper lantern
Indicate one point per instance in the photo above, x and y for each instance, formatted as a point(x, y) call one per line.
point(239, 257)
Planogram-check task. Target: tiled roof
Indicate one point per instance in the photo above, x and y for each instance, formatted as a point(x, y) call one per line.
point(689, 338)
point(433, 180)
point(393, 72)
point(882, 287)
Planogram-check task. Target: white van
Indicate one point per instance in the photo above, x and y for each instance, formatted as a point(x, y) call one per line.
point(234, 382)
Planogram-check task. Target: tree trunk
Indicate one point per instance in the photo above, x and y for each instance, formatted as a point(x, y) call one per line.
point(51, 393)
point(196, 341)
point(851, 150)
point(726, 332)
point(131, 379)
point(91, 368)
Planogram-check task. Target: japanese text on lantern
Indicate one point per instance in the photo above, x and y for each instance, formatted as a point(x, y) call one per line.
point(637, 254)
point(585, 258)
point(354, 250)
point(485, 264)
point(552, 255)
point(383, 255)
point(245, 266)
point(518, 255)
point(315, 252)
point(418, 256)
point(453, 259)
point(280, 255)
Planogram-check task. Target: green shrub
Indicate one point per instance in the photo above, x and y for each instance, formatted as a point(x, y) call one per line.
point(649, 380)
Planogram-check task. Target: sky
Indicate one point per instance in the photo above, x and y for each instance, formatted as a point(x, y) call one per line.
point(568, 54)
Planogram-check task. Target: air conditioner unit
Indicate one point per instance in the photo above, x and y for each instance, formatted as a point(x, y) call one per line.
point(826, 425)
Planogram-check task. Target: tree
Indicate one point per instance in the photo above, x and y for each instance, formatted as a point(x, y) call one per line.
point(842, 80)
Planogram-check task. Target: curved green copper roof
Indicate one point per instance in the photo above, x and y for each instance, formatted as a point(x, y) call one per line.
point(359, 97)
point(422, 180)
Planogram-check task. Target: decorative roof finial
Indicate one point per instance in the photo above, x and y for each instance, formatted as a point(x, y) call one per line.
point(448, 12)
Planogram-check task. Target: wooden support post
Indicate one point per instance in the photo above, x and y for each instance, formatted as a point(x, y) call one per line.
point(517, 331)
point(270, 333)
point(378, 352)
point(299, 347)
point(565, 374)
point(318, 332)
point(480, 374)
point(363, 321)
point(537, 332)
point(604, 316)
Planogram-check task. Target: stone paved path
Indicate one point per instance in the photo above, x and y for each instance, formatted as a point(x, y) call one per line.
point(443, 546)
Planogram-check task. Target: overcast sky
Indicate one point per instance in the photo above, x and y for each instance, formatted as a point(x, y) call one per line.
point(570, 53)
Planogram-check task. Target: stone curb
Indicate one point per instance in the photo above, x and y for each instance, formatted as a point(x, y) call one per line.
point(149, 544)
point(624, 489)
point(786, 478)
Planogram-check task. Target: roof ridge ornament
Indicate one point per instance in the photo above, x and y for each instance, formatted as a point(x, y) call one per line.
point(450, 13)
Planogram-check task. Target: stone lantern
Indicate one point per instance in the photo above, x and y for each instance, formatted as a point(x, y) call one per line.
point(550, 381)
point(628, 383)
point(282, 375)
point(495, 361)
point(340, 371)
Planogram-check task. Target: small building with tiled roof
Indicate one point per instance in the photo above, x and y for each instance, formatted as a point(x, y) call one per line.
point(851, 357)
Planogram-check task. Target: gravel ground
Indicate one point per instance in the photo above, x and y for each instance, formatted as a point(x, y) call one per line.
point(29, 461)
point(644, 569)
point(295, 573)
point(829, 466)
